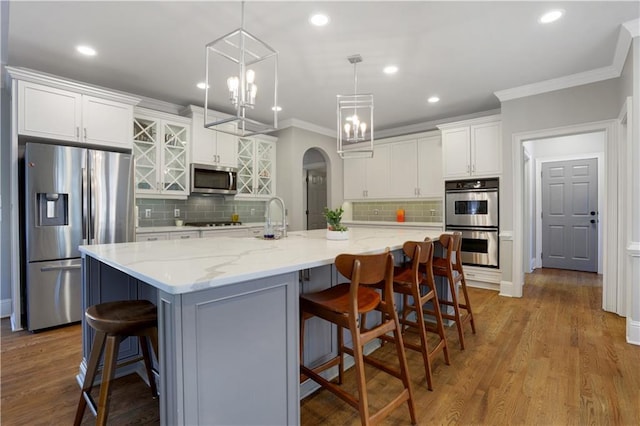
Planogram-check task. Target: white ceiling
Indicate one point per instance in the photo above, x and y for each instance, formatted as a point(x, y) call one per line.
point(461, 51)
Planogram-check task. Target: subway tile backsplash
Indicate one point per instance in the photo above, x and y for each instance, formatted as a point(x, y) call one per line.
point(197, 209)
point(415, 211)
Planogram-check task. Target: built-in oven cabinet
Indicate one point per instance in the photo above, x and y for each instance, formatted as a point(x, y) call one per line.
point(161, 148)
point(208, 146)
point(472, 148)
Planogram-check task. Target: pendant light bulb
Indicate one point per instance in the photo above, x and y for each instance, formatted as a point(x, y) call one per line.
point(251, 76)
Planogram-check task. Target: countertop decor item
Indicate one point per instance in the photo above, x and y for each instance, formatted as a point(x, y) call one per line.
point(335, 229)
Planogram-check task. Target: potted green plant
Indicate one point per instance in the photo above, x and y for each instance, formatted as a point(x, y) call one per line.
point(335, 229)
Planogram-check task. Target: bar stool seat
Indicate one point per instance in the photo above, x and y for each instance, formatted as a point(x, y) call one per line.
point(113, 321)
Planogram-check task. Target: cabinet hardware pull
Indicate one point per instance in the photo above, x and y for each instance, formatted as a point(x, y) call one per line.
point(184, 237)
point(152, 239)
point(85, 133)
point(77, 132)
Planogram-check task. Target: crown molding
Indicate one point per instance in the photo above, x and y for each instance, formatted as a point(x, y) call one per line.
point(26, 74)
point(627, 32)
point(158, 105)
point(633, 27)
point(300, 124)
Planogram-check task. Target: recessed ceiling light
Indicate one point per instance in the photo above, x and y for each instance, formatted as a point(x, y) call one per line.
point(276, 108)
point(319, 20)
point(433, 99)
point(202, 85)
point(552, 15)
point(86, 50)
point(390, 69)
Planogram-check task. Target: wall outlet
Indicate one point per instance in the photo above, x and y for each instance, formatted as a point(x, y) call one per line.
point(433, 212)
point(253, 212)
point(176, 212)
point(147, 213)
point(376, 211)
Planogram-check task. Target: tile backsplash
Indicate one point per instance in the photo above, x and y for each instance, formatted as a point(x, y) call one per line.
point(415, 211)
point(197, 209)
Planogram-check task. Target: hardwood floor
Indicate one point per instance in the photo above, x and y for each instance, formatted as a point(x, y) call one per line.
point(551, 358)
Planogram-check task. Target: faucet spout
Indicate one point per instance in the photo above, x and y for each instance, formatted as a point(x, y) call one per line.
point(280, 201)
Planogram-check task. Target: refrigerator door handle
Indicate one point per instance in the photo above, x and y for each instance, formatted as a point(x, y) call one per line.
point(92, 202)
point(60, 268)
point(84, 197)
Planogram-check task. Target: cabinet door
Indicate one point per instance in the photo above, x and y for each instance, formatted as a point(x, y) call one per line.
point(236, 233)
point(245, 166)
point(354, 178)
point(378, 173)
point(265, 155)
point(227, 147)
point(174, 174)
point(486, 148)
point(48, 113)
point(320, 338)
point(203, 142)
point(430, 180)
point(106, 122)
point(456, 152)
point(403, 169)
point(146, 132)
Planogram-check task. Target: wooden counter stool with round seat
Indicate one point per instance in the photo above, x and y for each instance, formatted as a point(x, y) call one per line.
point(113, 321)
point(344, 305)
point(416, 284)
point(450, 267)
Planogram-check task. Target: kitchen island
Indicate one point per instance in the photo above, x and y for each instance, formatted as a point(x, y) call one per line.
point(227, 313)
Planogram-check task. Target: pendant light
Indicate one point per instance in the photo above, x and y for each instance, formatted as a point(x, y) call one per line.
point(355, 120)
point(236, 65)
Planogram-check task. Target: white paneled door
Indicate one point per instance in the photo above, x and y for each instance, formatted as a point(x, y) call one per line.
point(570, 215)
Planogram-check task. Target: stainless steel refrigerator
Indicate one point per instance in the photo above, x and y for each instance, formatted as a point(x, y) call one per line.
point(73, 196)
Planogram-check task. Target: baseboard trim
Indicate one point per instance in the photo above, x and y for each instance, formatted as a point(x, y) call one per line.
point(5, 308)
point(506, 289)
point(633, 332)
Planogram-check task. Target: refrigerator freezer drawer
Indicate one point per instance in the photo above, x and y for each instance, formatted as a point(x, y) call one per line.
point(53, 293)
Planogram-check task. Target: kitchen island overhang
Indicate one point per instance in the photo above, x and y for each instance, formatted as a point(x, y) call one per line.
point(228, 315)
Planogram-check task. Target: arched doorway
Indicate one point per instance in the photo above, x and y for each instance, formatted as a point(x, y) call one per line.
point(314, 168)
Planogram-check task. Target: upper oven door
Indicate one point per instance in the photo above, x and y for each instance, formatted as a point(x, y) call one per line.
point(471, 208)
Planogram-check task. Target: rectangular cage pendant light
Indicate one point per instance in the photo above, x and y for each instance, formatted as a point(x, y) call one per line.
point(355, 120)
point(241, 71)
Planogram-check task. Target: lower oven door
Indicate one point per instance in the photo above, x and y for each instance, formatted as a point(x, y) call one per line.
point(480, 247)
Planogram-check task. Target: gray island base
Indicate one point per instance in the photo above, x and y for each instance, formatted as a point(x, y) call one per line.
point(228, 316)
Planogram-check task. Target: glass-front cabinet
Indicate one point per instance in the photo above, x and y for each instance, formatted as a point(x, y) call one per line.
point(256, 167)
point(160, 147)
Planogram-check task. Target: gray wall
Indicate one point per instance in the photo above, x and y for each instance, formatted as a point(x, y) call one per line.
point(292, 143)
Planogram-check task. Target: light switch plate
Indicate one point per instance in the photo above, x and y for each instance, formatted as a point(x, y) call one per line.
point(147, 213)
point(176, 212)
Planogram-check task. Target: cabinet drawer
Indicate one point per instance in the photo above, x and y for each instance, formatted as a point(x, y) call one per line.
point(184, 235)
point(152, 237)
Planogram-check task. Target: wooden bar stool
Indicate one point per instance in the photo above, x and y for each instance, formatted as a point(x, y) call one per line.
point(344, 305)
point(450, 267)
point(416, 284)
point(113, 321)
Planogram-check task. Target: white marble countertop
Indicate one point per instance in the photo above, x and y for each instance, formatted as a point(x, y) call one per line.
point(151, 229)
point(390, 223)
point(184, 266)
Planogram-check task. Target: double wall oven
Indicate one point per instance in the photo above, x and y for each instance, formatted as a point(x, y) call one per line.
point(471, 207)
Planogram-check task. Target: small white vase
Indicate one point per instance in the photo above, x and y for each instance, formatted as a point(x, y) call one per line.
point(337, 235)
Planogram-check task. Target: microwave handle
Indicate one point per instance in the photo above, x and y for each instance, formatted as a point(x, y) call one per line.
point(231, 180)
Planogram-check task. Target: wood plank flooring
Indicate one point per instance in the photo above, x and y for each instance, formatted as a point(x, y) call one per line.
point(551, 358)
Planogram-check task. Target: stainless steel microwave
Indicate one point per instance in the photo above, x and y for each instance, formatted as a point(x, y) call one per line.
point(207, 179)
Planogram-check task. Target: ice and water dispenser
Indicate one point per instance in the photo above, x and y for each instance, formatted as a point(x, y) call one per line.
point(53, 209)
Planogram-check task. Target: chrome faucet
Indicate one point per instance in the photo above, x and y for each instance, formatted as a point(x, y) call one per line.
point(283, 229)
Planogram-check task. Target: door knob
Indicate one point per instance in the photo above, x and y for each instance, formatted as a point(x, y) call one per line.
point(592, 213)
point(592, 221)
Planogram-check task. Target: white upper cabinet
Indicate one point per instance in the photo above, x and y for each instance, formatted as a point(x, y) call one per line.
point(54, 113)
point(256, 167)
point(367, 178)
point(161, 148)
point(472, 148)
point(209, 146)
point(404, 167)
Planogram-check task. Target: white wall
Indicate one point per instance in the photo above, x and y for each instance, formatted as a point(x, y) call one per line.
point(292, 143)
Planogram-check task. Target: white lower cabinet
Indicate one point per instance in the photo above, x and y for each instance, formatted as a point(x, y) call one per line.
point(152, 236)
point(213, 233)
point(184, 235)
